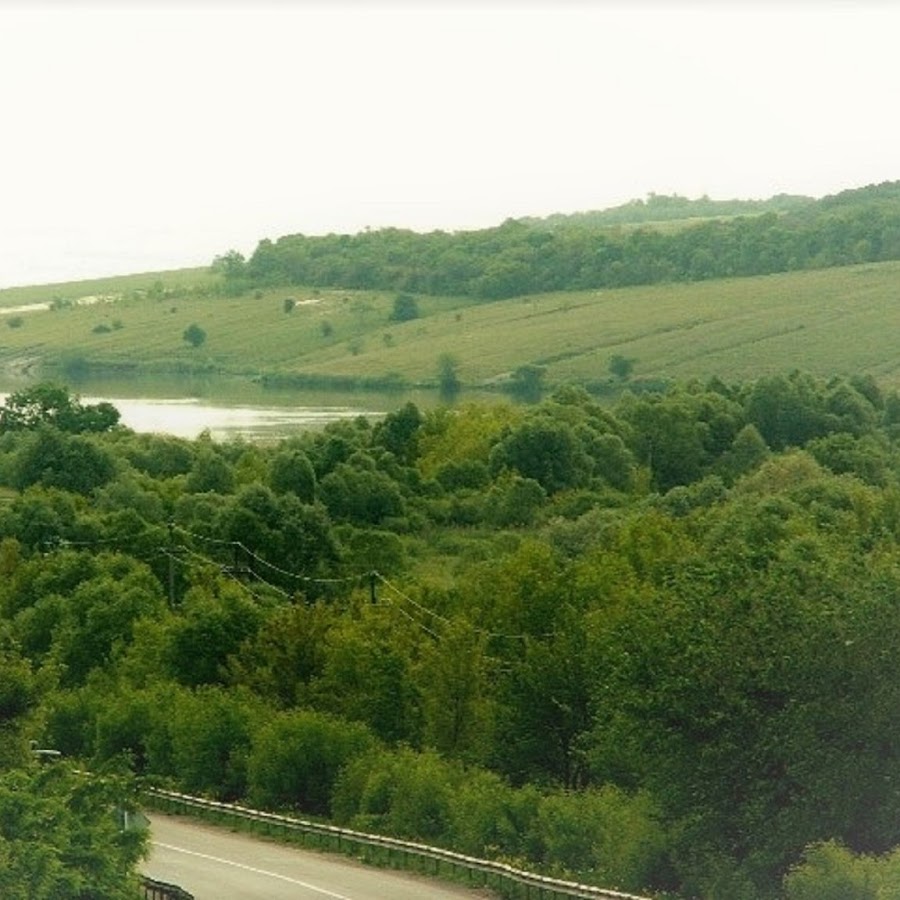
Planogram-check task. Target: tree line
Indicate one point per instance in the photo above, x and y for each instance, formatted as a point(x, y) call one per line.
point(582, 252)
point(651, 646)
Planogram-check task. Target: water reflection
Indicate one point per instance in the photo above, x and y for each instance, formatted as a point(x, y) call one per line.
point(230, 408)
point(224, 417)
point(189, 417)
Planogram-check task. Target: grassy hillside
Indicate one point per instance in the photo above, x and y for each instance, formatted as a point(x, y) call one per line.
point(116, 286)
point(833, 321)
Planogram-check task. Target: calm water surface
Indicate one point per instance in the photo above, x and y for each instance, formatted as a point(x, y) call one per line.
point(190, 417)
point(230, 408)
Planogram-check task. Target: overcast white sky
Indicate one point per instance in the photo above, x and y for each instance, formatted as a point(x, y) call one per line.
point(138, 138)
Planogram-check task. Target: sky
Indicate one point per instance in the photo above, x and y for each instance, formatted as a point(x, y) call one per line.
point(147, 137)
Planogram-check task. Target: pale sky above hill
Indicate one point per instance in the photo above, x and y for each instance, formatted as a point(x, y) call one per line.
point(141, 137)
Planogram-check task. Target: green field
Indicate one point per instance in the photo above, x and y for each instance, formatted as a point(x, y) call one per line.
point(832, 321)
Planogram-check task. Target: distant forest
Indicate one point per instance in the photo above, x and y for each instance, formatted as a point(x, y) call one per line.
point(662, 239)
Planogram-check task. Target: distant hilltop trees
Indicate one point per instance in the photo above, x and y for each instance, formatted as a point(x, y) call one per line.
point(662, 239)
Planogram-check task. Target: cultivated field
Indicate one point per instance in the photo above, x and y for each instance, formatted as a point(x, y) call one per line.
point(834, 321)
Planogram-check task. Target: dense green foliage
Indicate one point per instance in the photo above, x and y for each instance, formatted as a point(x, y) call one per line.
point(651, 646)
point(61, 830)
point(61, 839)
point(51, 404)
point(529, 257)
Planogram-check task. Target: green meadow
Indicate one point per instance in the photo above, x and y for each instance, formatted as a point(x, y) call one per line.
point(828, 322)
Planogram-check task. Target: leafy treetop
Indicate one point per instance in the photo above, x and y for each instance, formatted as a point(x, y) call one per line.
point(52, 404)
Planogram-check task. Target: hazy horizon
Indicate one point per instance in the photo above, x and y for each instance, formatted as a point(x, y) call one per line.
point(149, 138)
point(140, 264)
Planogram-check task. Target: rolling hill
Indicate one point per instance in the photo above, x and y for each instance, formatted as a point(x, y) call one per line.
point(828, 315)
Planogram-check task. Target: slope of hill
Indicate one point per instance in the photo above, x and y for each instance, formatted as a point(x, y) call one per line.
point(799, 283)
point(828, 321)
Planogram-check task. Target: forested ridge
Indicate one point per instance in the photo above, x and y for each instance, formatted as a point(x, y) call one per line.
point(624, 246)
point(651, 646)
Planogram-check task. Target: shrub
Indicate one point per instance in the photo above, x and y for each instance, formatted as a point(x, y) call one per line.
point(488, 817)
point(360, 496)
point(514, 501)
point(297, 758)
point(605, 835)
point(194, 335)
point(210, 732)
point(56, 459)
point(403, 793)
point(405, 308)
point(829, 871)
point(621, 366)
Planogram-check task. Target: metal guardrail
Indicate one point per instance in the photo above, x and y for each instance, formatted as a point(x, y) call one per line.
point(159, 890)
point(507, 880)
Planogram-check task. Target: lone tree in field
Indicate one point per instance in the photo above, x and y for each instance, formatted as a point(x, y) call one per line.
point(448, 376)
point(194, 335)
point(405, 308)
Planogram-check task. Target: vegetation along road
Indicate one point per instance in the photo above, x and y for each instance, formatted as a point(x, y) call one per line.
point(215, 864)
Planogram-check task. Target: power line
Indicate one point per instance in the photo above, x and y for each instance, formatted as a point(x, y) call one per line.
point(226, 570)
point(409, 599)
point(297, 576)
point(483, 632)
point(232, 572)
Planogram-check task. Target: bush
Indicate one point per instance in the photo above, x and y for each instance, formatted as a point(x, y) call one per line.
point(70, 462)
point(70, 724)
point(210, 732)
point(194, 335)
point(829, 871)
point(125, 723)
point(488, 818)
point(372, 548)
point(604, 835)
point(621, 366)
point(297, 758)
point(291, 470)
point(514, 501)
point(455, 475)
point(360, 496)
point(405, 308)
point(449, 383)
point(402, 793)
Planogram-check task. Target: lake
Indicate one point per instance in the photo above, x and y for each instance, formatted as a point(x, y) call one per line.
point(230, 408)
point(188, 417)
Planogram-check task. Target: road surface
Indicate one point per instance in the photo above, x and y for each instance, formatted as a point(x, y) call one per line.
point(216, 864)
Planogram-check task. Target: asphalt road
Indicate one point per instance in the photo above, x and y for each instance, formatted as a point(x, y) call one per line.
point(216, 864)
